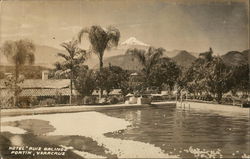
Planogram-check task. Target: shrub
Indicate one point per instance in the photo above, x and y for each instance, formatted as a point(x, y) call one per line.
point(208, 97)
point(121, 99)
point(24, 102)
point(89, 100)
point(34, 101)
point(48, 102)
point(6, 100)
point(113, 100)
point(227, 100)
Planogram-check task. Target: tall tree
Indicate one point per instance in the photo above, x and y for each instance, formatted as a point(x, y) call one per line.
point(193, 80)
point(73, 61)
point(85, 82)
point(19, 53)
point(165, 73)
point(148, 59)
point(218, 78)
point(241, 76)
point(111, 77)
point(100, 39)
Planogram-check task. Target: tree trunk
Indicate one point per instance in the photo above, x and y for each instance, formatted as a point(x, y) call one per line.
point(71, 83)
point(100, 68)
point(70, 98)
point(219, 97)
point(15, 101)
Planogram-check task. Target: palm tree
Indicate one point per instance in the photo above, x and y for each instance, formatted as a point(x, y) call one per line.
point(73, 60)
point(148, 59)
point(19, 53)
point(100, 39)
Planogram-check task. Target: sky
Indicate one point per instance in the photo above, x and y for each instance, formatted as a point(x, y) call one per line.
point(195, 25)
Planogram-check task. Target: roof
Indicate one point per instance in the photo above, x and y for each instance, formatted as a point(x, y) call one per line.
point(39, 87)
point(30, 92)
point(39, 83)
point(45, 92)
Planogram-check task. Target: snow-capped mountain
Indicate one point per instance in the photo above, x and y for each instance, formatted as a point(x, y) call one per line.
point(133, 41)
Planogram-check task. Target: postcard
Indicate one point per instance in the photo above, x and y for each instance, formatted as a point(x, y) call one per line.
point(124, 79)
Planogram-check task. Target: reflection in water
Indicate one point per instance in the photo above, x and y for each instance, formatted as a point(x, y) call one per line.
point(176, 130)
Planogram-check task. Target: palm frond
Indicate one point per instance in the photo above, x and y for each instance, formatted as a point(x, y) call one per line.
point(68, 46)
point(98, 39)
point(81, 33)
point(154, 56)
point(113, 36)
point(63, 56)
point(58, 66)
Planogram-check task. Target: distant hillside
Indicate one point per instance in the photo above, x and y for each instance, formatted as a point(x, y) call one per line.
point(29, 72)
point(246, 54)
point(115, 55)
point(127, 62)
point(236, 58)
point(184, 59)
point(44, 56)
point(173, 53)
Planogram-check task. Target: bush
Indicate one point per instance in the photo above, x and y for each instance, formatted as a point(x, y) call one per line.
point(34, 101)
point(113, 100)
point(227, 100)
point(26, 102)
point(89, 100)
point(48, 102)
point(121, 99)
point(6, 100)
point(208, 97)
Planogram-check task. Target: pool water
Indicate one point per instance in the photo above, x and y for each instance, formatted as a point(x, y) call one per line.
point(187, 133)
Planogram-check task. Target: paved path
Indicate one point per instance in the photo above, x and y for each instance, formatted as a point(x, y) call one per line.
point(214, 107)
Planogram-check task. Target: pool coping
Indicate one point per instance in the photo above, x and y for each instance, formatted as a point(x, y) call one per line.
point(82, 108)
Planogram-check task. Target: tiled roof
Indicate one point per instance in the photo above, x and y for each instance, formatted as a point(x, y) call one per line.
point(38, 87)
point(40, 92)
point(39, 83)
point(45, 92)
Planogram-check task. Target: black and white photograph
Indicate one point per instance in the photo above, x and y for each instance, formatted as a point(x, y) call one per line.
point(116, 79)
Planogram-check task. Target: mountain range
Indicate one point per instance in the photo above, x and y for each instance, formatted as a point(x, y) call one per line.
point(184, 58)
point(46, 56)
point(127, 61)
point(236, 58)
